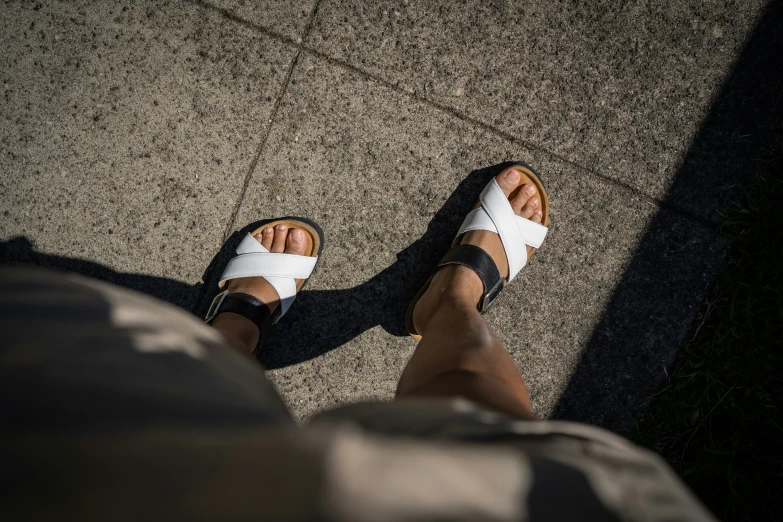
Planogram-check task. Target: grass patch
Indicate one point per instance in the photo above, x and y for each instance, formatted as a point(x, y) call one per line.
point(717, 420)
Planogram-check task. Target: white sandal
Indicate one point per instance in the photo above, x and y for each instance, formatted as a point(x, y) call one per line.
point(279, 269)
point(493, 212)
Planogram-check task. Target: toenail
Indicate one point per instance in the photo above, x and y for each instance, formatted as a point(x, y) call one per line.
point(512, 176)
point(533, 201)
point(530, 189)
point(280, 227)
point(297, 235)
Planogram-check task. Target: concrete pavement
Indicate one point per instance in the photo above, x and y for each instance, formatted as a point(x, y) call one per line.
point(137, 138)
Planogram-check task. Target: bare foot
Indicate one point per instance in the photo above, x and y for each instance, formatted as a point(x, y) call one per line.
point(463, 281)
point(241, 332)
point(277, 239)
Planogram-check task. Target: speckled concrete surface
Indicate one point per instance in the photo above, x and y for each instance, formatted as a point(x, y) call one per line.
point(288, 18)
point(135, 140)
point(127, 131)
point(616, 86)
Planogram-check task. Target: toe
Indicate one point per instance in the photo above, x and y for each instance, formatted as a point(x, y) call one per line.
point(530, 208)
point(278, 244)
point(526, 192)
point(265, 237)
point(508, 180)
point(295, 244)
point(538, 215)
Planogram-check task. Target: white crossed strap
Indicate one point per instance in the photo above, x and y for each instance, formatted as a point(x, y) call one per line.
point(516, 232)
point(279, 269)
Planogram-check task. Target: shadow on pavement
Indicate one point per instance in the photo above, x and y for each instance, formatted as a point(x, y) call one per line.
point(642, 327)
point(19, 251)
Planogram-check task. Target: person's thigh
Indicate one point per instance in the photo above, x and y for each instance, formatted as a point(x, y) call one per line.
point(77, 354)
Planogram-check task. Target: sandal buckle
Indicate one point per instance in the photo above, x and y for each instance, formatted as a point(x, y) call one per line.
point(491, 295)
point(215, 306)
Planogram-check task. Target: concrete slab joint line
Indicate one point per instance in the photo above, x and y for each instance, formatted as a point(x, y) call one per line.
point(299, 43)
point(622, 90)
point(287, 21)
point(232, 218)
point(434, 101)
point(127, 127)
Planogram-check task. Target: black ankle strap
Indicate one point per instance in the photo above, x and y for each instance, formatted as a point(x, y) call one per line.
point(247, 306)
point(478, 260)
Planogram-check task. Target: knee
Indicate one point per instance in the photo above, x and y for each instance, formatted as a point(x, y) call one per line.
point(483, 389)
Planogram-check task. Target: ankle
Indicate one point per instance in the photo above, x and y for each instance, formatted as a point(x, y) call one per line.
point(260, 289)
point(452, 296)
point(458, 285)
point(240, 331)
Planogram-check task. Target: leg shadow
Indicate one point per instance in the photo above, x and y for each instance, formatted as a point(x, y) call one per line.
point(20, 251)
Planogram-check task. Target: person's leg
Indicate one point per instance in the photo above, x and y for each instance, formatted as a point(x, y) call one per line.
point(459, 354)
point(241, 332)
